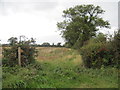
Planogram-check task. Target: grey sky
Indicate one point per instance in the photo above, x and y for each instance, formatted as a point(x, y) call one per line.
point(119, 15)
point(38, 18)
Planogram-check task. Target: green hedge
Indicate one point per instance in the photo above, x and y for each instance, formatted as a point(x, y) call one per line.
point(28, 53)
point(98, 53)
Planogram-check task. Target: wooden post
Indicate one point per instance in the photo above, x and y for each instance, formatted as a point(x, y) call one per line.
point(19, 56)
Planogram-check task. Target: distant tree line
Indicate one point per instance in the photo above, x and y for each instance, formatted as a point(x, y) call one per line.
point(45, 44)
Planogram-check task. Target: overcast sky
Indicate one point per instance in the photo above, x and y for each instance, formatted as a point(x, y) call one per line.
point(38, 18)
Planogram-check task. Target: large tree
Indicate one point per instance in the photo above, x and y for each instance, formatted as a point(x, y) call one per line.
point(81, 23)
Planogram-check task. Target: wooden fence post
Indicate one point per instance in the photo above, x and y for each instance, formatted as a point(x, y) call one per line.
point(19, 56)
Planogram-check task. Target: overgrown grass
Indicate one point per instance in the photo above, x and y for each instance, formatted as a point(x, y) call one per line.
point(63, 72)
point(64, 75)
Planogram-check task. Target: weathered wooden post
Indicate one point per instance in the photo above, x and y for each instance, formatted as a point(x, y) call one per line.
point(19, 56)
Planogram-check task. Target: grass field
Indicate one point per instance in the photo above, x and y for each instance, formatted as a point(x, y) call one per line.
point(59, 54)
point(58, 68)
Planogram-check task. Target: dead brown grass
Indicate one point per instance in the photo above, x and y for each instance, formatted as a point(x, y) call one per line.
point(55, 53)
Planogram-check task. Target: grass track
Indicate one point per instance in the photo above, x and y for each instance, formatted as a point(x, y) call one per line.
point(59, 68)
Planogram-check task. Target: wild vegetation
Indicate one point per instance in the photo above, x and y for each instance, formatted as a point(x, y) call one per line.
point(58, 68)
point(80, 30)
point(91, 59)
point(28, 52)
point(98, 52)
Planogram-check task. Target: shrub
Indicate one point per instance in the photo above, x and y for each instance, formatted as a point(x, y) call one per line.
point(114, 47)
point(96, 53)
point(28, 53)
point(10, 56)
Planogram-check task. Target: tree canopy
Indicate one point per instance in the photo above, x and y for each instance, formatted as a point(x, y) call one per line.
point(81, 23)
